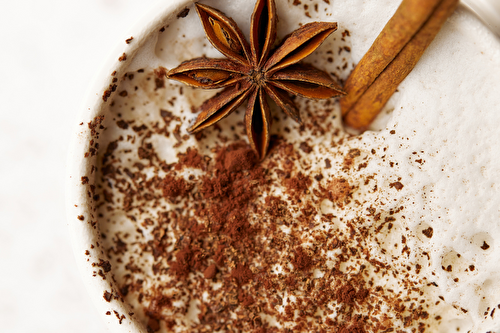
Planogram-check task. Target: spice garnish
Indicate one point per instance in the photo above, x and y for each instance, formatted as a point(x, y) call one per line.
point(391, 58)
point(252, 71)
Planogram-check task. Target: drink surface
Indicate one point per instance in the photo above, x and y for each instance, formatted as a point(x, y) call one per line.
point(395, 228)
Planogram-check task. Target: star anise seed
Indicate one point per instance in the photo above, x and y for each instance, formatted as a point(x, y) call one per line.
point(251, 71)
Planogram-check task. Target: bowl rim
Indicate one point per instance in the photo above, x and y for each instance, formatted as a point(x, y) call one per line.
point(84, 234)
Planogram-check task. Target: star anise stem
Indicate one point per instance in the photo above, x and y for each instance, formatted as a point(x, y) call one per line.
point(253, 71)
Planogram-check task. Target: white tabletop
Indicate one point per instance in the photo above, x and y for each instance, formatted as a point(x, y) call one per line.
point(50, 51)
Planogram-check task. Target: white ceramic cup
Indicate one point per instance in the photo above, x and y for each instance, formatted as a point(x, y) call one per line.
point(81, 209)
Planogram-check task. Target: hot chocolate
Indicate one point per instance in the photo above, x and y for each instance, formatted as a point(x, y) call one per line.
point(392, 230)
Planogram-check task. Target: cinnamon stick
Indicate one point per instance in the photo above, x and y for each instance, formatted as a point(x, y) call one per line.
point(374, 98)
point(406, 21)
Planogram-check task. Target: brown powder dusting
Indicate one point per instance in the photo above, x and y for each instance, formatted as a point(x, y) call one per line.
point(304, 146)
point(191, 159)
point(240, 159)
point(107, 93)
point(428, 232)
point(210, 272)
point(153, 325)
point(122, 124)
point(339, 189)
point(349, 158)
point(105, 264)
point(173, 187)
point(328, 163)
point(276, 207)
point(183, 13)
point(302, 260)
point(218, 237)
point(245, 299)
point(298, 184)
point(255, 230)
point(107, 296)
point(346, 294)
point(160, 82)
point(242, 274)
point(219, 255)
point(397, 185)
point(160, 72)
point(357, 326)
point(186, 259)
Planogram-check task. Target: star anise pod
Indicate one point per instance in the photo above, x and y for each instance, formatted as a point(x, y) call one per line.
point(252, 71)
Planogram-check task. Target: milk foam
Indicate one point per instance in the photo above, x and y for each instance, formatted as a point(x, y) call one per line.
point(448, 110)
point(445, 147)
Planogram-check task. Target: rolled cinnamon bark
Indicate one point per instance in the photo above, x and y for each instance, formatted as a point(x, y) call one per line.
point(406, 21)
point(374, 98)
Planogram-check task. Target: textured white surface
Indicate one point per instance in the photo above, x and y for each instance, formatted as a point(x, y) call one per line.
point(454, 132)
point(50, 53)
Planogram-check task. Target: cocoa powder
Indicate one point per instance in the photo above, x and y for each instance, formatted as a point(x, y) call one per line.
point(222, 239)
point(217, 217)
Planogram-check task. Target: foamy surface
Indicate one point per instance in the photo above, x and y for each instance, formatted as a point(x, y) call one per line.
point(438, 136)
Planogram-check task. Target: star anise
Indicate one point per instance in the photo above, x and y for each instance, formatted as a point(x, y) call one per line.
point(251, 71)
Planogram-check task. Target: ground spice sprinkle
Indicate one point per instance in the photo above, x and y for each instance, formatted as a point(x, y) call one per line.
point(210, 239)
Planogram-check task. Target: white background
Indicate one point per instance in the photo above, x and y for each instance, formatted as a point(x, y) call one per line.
point(49, 52)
